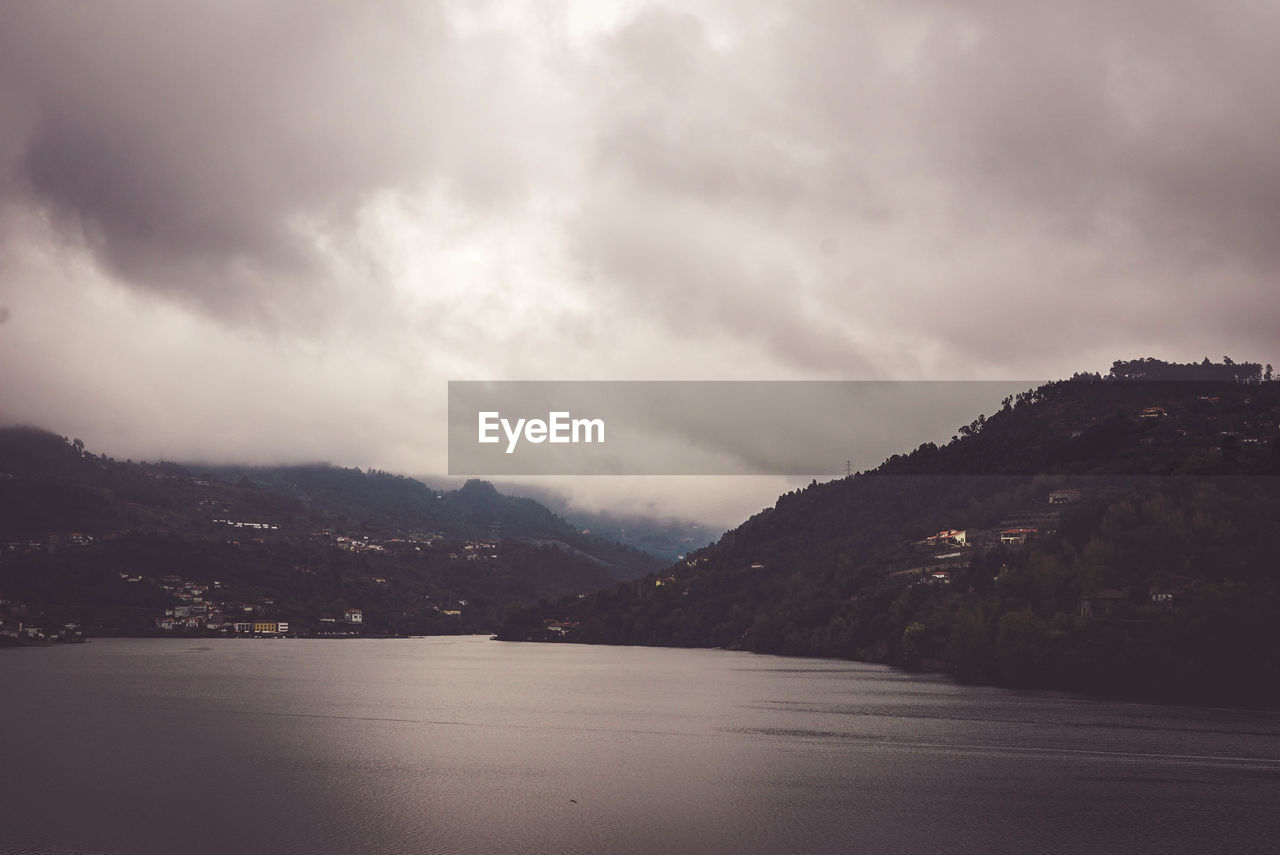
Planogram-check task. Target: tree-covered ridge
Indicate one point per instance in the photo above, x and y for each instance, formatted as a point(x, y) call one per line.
point(1226, 371)
point(118, 547)
point(1110, 535)
point(475, 510)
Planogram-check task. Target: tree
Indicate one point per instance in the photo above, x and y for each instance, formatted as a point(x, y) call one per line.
point(912, 639)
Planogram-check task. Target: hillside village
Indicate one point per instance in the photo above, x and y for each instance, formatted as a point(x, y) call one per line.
point(199, 607)
point(93, 546)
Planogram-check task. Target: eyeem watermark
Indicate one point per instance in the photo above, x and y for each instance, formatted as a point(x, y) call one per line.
point(559, 427)
point(545, 427)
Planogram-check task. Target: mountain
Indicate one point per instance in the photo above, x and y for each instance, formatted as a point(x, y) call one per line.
point(117, 547)
point(476, 510)
point(670, 538)
point(1114, 535)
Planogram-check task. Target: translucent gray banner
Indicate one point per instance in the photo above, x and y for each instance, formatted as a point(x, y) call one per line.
point(703, 427)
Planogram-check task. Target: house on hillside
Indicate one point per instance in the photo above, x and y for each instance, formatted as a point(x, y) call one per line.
point(956, 536)
point(1017, 535)
point(1064, 497)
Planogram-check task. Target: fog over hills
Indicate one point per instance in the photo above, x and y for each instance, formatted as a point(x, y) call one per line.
point(665, 536)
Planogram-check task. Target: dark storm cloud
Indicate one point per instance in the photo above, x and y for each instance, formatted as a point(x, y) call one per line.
point(1157, 114)
point(801, 178)
point(198, 149)
point(1106, 165)
point(647, 258)
point(687, 162)
point(1135, 142)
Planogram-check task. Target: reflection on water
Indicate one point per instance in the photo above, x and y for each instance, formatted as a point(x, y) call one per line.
point(468, 746)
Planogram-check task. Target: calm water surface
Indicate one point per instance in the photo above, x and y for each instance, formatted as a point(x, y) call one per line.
point(450, 745)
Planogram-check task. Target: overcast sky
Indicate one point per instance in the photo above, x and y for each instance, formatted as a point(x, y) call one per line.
point(271, 232)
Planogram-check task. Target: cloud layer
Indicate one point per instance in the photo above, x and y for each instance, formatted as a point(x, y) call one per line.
point(274, 231)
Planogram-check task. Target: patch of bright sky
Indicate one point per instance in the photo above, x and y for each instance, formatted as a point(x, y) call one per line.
point(439, 254)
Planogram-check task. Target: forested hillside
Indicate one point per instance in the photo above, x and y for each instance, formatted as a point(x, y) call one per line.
point(1111, 534)
point(117, 547)
point(476, 510)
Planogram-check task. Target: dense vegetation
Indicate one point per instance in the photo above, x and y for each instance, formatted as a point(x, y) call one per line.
point(476, 510)
point(1157, 572)
point(116, 547)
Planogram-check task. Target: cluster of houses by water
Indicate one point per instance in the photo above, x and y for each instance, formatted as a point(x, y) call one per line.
point(202, 607)
point(197, 608)
point(16, 626)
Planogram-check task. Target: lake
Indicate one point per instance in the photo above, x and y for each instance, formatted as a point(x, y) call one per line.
point(464, 745)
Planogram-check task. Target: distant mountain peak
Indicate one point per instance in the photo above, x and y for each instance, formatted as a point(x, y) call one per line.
point(477, 487)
